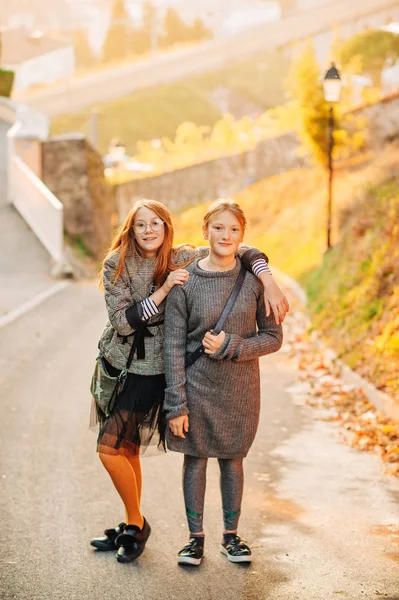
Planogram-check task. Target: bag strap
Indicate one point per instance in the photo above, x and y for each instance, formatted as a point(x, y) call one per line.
point(193, 356)
point(131, 354)
point(231, 300)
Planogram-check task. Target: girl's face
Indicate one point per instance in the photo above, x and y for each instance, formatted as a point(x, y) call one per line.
point(224, 233)
point(149, 232)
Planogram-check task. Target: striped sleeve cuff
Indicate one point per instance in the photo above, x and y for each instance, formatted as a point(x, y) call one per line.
point(260, 266)
point(149, 309)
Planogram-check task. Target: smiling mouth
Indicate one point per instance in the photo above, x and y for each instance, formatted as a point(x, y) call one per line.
point(149, 239)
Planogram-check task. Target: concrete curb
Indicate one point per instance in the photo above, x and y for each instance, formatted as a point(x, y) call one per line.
point(380, 400)
point(32, 303)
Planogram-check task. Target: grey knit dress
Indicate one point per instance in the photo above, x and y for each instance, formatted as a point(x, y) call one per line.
point(220, 392)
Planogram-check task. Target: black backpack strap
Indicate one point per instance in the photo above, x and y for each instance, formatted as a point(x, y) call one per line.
point(193, 356)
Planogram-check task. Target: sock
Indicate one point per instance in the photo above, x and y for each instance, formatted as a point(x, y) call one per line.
point(124, 479)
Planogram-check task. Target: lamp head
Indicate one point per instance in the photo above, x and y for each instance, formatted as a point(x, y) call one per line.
point(332, 84)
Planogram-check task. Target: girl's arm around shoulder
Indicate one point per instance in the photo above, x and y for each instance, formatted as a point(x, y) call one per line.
point(268, 339)
point(118, 298)
point(175, 403)
point(183, 255)
point(186, 253)
point(257, 262)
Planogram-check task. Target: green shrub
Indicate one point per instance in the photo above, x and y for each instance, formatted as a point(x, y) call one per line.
point(6, 81)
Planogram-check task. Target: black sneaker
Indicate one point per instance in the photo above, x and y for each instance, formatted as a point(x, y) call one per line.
point(108, 542)
point(132, 542)
point(236, 550)
point(192, 553)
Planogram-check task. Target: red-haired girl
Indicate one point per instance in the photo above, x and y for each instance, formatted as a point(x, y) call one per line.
point(137, 275)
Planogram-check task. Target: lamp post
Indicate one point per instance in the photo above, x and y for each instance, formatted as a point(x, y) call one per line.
point(117, 155)
point(332, 85)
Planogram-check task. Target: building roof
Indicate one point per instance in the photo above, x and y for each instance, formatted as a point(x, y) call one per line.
point(38, 14)
point(19, 45)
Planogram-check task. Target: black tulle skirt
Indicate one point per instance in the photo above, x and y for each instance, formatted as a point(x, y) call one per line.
point(137, 421)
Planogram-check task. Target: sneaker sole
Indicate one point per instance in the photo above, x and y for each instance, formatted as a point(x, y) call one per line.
point(235, 559)
point(186, 560)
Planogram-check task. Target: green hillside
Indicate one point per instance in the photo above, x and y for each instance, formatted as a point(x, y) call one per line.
point(353, 290)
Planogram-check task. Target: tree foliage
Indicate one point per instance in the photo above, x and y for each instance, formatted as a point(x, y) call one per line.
point(143, 36)
point(307, 92)
point(118, 41)
point(84, 53)
point(310, 112)
point(124, 39)
point(370, 50)
point(175, 29)
point(199, 32)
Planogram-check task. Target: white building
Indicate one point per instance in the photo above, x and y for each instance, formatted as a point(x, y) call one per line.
point(36, 58)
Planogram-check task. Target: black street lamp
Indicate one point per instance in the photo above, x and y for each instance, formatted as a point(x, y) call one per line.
point(332, 85)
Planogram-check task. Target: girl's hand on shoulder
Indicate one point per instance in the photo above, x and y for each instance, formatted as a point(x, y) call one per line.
point(213, 342)
point(179, 426)
point(177, 277)
point(275, 301)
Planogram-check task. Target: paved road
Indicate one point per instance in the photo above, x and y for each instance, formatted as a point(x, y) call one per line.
point(321, 517)
point(74, 94)
point(25, 265)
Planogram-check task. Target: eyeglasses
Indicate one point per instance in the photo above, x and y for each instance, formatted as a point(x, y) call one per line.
point(154, 225)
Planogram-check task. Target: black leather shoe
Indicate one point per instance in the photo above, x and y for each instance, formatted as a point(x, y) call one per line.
point(192, 553)
point(132, 542)
point(108, 542)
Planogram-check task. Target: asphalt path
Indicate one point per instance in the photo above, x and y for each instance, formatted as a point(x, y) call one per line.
point(322, 518)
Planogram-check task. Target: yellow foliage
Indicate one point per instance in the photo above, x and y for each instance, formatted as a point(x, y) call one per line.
point(353, 290)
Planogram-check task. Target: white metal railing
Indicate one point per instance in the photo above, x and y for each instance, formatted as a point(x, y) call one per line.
point(42, 211)
point(39, 207)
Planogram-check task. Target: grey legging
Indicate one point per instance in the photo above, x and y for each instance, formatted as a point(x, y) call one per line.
point(231, 485)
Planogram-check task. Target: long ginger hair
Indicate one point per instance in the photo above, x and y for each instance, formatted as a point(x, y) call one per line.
point(125, 240)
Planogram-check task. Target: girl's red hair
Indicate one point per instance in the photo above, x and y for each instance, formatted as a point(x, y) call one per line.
point(222, 205)
point(125, 239)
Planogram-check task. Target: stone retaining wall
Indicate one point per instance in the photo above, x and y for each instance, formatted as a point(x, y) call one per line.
point(74, 172)
point(206, 181)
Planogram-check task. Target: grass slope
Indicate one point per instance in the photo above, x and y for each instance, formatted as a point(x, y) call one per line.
point(353, 290)
point(354, 293)
point(157, 112)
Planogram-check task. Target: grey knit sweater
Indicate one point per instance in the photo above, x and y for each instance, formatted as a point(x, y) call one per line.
point(220, 392)
point(133, 286)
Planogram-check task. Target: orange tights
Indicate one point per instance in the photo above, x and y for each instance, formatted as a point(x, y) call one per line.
point(125, 472)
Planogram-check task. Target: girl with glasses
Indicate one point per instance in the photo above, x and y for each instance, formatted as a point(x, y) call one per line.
point(138, 273)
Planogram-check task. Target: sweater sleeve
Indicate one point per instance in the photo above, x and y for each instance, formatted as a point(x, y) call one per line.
point(254, 260)
point(268, 339)
point(175, 403)
point(183, 255)
point(202, 251)
point(141, 312)
point(118, 298)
